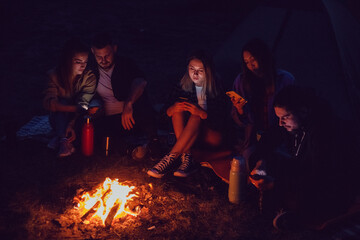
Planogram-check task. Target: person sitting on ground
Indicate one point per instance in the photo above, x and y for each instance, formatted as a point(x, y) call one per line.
point(258, 83)
point(70, 89)
point(302, 165)
point(197, 108)
point(122, 89)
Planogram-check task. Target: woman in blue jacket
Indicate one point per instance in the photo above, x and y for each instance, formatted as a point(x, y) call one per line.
point(258, 83)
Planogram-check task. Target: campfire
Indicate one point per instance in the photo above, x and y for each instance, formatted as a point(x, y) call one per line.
point(108, 202)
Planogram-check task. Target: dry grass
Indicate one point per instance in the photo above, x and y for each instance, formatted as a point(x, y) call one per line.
point(39, 204)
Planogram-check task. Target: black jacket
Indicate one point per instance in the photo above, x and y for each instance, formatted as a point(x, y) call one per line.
point(125, 71)
point(317, 180)
point(218, 107)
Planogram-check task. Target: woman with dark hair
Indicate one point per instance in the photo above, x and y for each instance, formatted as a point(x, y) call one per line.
point(70, 89)
point(197, 108)
point(258, 83)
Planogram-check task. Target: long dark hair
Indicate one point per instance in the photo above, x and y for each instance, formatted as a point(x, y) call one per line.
point(211, 85)
point(262, 53)
point(64, 68)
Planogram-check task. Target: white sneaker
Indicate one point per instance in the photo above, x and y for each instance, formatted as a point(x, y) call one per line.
point(65, 148)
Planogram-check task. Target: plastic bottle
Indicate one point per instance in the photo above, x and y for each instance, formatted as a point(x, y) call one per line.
point(236, 179)
point(87, 138)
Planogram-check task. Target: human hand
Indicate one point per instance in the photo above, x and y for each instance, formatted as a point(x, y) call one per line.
point(70, 133)
point(238, 104)
point(260, 179)
point(176, 107)
point(237, 100)
point(93, 110)
point(194, 110)
point(127, 119)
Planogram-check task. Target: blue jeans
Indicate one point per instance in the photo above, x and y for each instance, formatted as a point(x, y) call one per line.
point(59, 121)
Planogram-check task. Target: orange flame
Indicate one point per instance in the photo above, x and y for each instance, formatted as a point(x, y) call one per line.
point(107, 203)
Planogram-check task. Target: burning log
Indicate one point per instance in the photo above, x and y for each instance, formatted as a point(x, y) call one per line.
point(111, 215)
point(105, 194)
point(91, 212)
point(110, 202)
point(104, 199)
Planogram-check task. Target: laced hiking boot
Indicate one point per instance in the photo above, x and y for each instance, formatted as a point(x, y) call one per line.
point(163, 166)
point(65, 148)
point(187, 167)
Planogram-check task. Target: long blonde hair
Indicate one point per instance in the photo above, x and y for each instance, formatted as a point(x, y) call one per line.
point(211, 86)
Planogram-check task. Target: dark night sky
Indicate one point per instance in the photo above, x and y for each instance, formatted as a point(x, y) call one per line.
point(157, 34)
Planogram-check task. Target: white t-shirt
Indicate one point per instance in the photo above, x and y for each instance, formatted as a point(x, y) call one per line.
point(104, 89)
point(201, 97)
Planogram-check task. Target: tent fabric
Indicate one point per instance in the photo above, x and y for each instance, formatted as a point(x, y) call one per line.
point(347, 33)
point(317, 46)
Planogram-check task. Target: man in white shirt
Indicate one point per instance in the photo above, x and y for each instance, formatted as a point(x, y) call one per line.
point(121, 86)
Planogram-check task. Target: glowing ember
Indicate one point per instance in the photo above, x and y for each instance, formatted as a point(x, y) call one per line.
point(106, 203)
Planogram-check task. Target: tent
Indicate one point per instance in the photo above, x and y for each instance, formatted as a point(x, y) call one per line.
point(320, 46)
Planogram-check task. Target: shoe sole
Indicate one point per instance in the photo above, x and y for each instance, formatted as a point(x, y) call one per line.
point(179, 174)
point(68, 153)
point(64, 154)
point(155, 175)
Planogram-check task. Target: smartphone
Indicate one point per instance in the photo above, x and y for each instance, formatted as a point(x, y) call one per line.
point(256, 177)
point(259, 174)
point(234, 95)
point(183, 99)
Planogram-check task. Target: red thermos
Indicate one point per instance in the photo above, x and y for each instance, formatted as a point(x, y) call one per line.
point(87, 138)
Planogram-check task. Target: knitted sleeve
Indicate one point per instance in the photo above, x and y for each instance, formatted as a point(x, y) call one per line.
point(52, 91)
point(87, 89)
